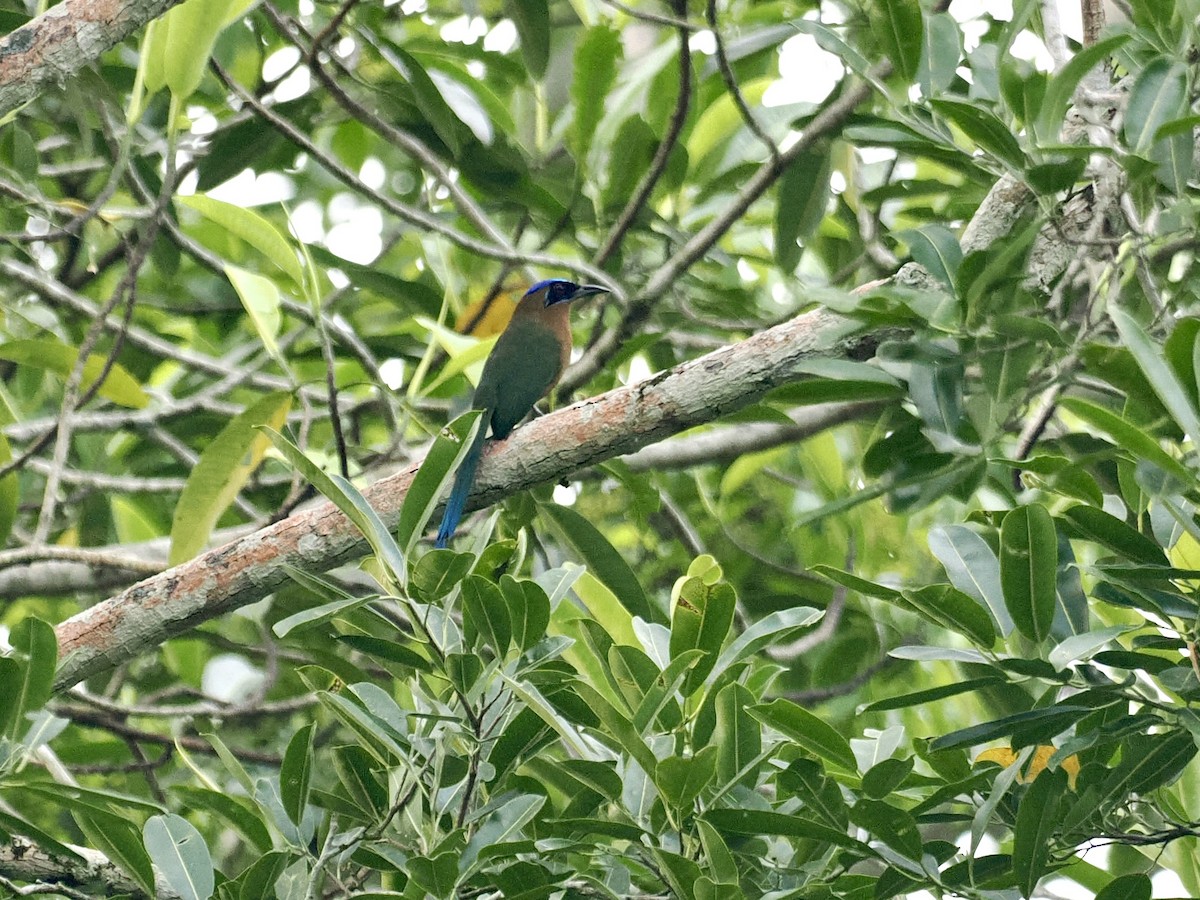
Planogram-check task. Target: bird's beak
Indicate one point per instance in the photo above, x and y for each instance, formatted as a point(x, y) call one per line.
point(588, 290)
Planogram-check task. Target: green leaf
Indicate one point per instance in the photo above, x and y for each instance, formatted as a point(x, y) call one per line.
point(1061, 87)
point(737, 735)
point(1162, 378)
point(262, 301)
point(921, 698)
point(252, 228)
point(972, 568)
point(596, 55)
point(1082, 647)
point(1028, 562)
point(10, 487)
point(437, 874)
point(1107, 530)
point(432, 104)
point(602, 559)
point(1159, 95)
point(803, 197)
point(187, 33)
point(532, 18)
point(985, 130)
point(14, 824)
point(356, 773)
point(754, 821)
point(681, 779)
point(1034, 830)
point(223, 468)
point(897, 27)
point(353, 505)
point(1128, 887)
point(566, 729)
point(798, 724)
point(500, 826)
point(716, 852)
point(936, 248)
point(1147, 762)
point(180, 853)
point(528, 610)
point(700, 621)
point(940, 53)
point(295, 773)
point(885, 776)
point(1054, 720)
point(258, 879)
point(234, 809)
point(678, 873)
point(386, 650)
point(779, 626)
point(618, 728)
point(1128, 437)
point(661, 690)
point(315, 615)
point(893, 826)
point(485, 613)
point(951, 608)
point(820, 794)
point(37, 647)
point(439, 572)
point(54, 356)
point(120, 841)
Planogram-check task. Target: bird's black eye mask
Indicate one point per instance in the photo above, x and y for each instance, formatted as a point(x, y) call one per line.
point(560, 291)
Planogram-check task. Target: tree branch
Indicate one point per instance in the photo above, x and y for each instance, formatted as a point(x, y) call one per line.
point(64, 39)
point(619, 422)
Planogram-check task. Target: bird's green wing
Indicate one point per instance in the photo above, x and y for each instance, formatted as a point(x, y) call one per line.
point(522, 367)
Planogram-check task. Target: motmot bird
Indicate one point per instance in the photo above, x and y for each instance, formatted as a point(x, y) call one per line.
point(527, 361)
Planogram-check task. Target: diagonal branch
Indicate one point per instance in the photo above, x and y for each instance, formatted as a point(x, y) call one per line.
point(828, 121)
point(61, 41)
point(621, 421)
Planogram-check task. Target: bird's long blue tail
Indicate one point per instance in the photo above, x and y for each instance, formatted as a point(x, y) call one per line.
point(463, 480)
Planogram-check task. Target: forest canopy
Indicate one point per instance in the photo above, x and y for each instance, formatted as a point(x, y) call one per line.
point(855, 555)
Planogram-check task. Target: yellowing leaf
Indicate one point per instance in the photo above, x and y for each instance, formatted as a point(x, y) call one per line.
point(494, 318)
point(1006, 756)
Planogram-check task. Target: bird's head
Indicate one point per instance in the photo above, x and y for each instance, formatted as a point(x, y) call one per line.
point(557, 290)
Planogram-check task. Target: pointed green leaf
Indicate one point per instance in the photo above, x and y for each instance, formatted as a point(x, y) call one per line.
point(949, 607)
point(296, 772)
point(1028, 563)
point(973, 568)
point(897, 26)
point(532, 18)
point(353, 505)
point(37, 647)
point(528, 610)
point(596, 56)
point(119, 840)
point(798, 724)
point(1061, 87)
point(1162, 378)
point(223, 468)
point(1034, 829)
point(252, 228)
point(936, 248)
point(803, 196)
point(180, 854)
point(54, 356)
point(1159, 95)
point(486, 613)
point(602, 559)
point(681, 779)
point(262, 301)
